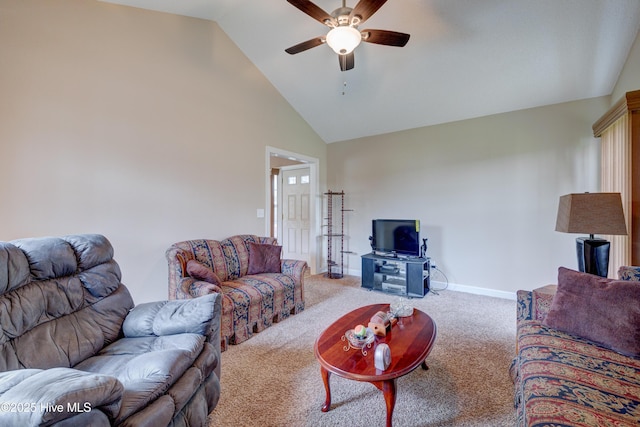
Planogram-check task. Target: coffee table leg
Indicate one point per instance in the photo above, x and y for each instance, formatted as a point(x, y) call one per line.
point(388, 389)
point(325, 378)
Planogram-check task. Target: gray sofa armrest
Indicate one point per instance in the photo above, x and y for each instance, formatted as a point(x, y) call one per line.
point(33, 397)
point(197, 316)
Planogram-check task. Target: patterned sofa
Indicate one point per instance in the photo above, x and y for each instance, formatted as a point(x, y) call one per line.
point(564, 379)
point(252, 301)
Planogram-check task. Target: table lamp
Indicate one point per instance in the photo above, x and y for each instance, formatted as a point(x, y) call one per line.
point(592, 213)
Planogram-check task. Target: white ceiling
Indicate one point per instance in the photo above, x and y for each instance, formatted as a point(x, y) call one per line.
point(465, 58)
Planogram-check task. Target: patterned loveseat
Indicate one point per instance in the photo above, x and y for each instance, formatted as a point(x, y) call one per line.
point(564, 379)
point(252, 301)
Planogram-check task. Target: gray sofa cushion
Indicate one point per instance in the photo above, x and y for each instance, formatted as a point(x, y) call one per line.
point(14, 268)
point(146, 366)
point(62, 301)
point(34, 397)
point(48, 257)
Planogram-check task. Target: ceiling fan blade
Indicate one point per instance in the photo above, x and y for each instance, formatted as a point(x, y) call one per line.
point(301, 47)
point(346, 61)
point(364, 9)
point(388, 38)
point(315, 12)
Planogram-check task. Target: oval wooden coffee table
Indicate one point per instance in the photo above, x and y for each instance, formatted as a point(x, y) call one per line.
point(410, 341)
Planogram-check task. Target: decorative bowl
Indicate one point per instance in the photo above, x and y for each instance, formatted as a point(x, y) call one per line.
point(359, 342)
point(401, 308)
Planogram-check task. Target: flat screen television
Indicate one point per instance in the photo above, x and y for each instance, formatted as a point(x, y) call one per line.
point(396, 236)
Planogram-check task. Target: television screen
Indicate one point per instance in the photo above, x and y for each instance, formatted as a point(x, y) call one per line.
point(399, 236)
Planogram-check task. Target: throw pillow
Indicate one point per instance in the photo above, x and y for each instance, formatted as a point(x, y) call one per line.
point(605, 311)
point(199, 271)
point(264, 258)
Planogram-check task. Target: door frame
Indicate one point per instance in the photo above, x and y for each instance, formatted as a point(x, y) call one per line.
point(314, 200)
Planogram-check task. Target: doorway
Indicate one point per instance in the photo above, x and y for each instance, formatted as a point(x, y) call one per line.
point(294, 225)
point(292, 194)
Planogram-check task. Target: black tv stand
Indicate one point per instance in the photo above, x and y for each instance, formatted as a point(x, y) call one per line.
point(394, 255)
point(404, 276)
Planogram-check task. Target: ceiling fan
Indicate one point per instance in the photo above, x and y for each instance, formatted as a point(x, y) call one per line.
point(344, 35)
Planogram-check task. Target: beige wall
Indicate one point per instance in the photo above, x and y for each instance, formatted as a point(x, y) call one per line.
point(146, 127)
point(629, 79)
point(486, 190)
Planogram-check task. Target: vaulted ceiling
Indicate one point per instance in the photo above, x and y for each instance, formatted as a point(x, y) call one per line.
point(465, 58)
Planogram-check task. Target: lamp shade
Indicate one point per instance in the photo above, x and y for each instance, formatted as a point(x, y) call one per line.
point(591, 213)
point(343, 39)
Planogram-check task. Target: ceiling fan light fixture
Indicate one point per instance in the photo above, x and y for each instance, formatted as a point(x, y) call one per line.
point(343, 39)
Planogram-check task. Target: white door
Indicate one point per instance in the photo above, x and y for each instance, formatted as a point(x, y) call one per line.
point(295, 233)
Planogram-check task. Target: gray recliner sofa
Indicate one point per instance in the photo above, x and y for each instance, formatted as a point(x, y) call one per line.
point(74, 351)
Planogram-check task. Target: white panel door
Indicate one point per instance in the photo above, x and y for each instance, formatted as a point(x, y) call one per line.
point(296, 212)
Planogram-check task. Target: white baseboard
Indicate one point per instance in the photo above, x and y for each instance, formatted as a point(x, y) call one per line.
point(474, 290)
point(459, 288)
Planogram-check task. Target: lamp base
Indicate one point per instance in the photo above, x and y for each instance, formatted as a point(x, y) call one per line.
point(593, 256)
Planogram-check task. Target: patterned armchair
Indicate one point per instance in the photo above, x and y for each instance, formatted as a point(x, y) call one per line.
point(251, 302)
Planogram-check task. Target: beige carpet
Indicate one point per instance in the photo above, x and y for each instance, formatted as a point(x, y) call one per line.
point(273, 379)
